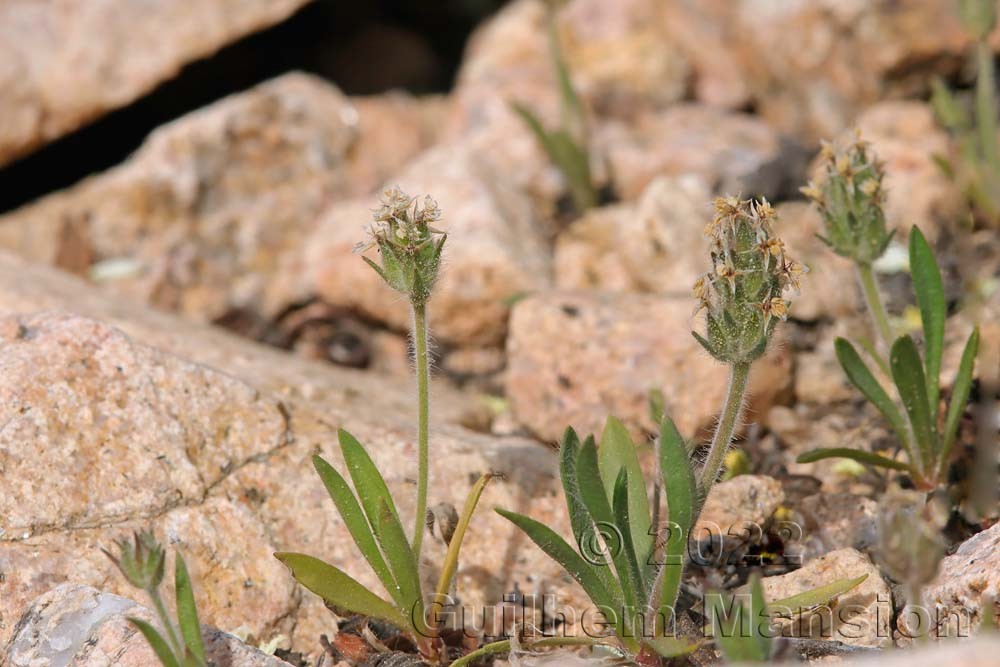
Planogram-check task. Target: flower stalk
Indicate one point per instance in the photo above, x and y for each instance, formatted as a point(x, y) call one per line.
point(880, 318)
point(423, 414)
point(732, 410)
point(410, 254)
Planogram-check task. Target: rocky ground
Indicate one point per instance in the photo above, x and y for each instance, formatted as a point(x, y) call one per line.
point(181, 333)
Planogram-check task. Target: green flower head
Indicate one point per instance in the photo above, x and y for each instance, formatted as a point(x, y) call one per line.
point(141, 560)
point(850, 199)
point(743, 294)
point(409, 248)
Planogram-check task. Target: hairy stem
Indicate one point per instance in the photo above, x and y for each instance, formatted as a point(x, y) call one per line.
point(986, 121)
point(879, 316)
point(168, 627)
point(505, 646)
point(423, 380)
point(739, 373)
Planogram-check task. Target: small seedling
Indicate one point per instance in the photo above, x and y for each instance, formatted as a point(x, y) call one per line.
point(565, 146)
point(142, 562)
point(410, 251)
point(852, 193)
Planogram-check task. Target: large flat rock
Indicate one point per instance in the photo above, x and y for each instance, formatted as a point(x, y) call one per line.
point(64, 64)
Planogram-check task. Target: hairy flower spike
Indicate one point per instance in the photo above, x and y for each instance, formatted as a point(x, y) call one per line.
point(743, 293)
point(141, 560)
point(409, 248)
point(850, 198)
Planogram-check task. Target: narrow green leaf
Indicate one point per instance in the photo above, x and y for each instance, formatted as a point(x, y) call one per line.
point(579, 517)
point(191, 660)
point(187, 609)
point(617, 452)
point(959, 397)
point(657, 406)
point(558, 550)
point(929, 291)
point(156, 642)
point(678, 475)
point(815, 597)
point(858, 455)
point(761, 623)
point(356, 522)
point(340, 590)
point(572, 107)
point(391, 537)
point(862, 378)
point(908, 374)
point(368, 481)
point(737, 629)
point(596, 501)
point(620, 507)
point(536, 127)
point(680, 489)
point(574, 163)
point(450, 563)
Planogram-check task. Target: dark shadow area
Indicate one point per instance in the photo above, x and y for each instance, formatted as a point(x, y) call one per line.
point(364, 47)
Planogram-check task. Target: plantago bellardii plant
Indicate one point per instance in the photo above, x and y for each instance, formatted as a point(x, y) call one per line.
point(142, 561)
point(850, 201)
point(627, 560)
point(977, 169)
point(410, 259)
point(565, 146)
point(410, 253)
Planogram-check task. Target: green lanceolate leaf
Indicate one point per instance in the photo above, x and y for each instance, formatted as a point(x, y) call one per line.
point(930, 297)
point(862, 378)
point(620, 507)
point(681, 491)
point(450, 563)
point(579, 517)
point(959, 397)
point(558, 550)
point(368, 481)
point(761, 626)
point(815, 597)
point(156, 641)
point(858, 455)
point(617, 452)
point(678, 476)
point(742, 631)
point(908, 374)
point(596, 501)
point(399, 554)
point(536, 127)
point(356, 522)
point(340, 590)
point(187, 610)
